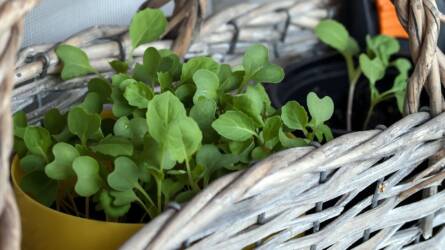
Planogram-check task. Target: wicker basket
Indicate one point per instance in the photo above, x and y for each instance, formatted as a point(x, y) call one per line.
point(281, 25)
point(301, 198)
point(11, 28)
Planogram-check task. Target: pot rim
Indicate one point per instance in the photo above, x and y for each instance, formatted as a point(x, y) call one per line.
point(15, 177)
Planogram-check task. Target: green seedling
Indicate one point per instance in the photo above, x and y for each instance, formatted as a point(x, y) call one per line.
point(373, 63)
point(204, 120)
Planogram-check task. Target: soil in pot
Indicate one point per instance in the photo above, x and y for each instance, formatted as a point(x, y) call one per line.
point(327, 76)
point(44, 228)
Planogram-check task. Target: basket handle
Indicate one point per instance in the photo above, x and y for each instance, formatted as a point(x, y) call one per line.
point(421, 19)
point(186, 20)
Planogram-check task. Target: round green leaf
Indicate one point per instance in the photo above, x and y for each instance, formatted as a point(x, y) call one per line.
point(289, 141)
point(321, 110)
point(40, 187)
point(247, 105)
point(207, 84)
point(75, 62)
point(88, 178)
point(122, 127)
point(156, 155)
point(190, 67)
point(61, 167)
point(114, 146)
point(125, 174)
point(101, 87)
point(333, 34)
point(373, 69)
point(383, 47)
point(92, 103)
point(38, 141)
point(270, 132)
point(260, 153)
point(119, 66)
point(255, 57)
point(183, 138)
point(203, 112)
point(120, 104)
point(54, 121)
point(269, 73)
point(294, 116)
point(111, 210)
point(138, 94)
point(31, 163)
point(146, 26)
point(235, 125)
point(20, 122)
point(83, 124)
point(162, 110)
point(122, 198)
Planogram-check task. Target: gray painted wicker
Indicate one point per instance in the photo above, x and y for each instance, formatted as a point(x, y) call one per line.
point(365, 190)
point(283, 197)
point(285, 26)
point(11, 28)
point(378, 189)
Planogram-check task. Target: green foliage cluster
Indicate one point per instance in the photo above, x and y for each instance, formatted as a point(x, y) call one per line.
point(373, 63)
point(175, 127)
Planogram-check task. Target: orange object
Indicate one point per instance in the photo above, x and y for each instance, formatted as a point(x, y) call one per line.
point(388, 20)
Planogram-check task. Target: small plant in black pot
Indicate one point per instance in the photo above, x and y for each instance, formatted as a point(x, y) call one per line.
point(368, 87)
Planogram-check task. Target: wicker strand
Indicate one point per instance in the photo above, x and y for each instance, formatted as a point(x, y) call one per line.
point(11, 29)
point(423, 27)
point(207, 223)
point(271, 202)
point(285, 26)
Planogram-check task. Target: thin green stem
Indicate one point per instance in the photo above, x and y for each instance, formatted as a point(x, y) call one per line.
point(350, 66)
point(143, 217)
point(70, 197)
point(98, 74)
point(67, 207)
point(243, 84)
point(190, 177)
point(368, 116)
point(130, 57)
point(159, 182)
point(159, 194)
point(353, 75)
point(87, 207)
point(141, 203)
point(349, 108)
point(83, 141)
point(146, 196)
point(386, 95)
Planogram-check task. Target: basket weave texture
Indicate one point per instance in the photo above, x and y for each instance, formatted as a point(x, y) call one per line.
point(365, 190)
point(11, 28)
point(303, 198)
point(284, 26)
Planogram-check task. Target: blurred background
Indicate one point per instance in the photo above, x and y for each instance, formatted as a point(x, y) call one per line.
point(54, 20)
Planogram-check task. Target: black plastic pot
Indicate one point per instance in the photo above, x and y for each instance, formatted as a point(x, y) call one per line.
point(327, 75)
point(364, 21)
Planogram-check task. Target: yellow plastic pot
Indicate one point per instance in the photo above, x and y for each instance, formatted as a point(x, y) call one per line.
point(46, 229)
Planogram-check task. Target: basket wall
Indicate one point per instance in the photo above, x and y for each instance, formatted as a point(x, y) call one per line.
point(365, 190)
point(284, 26)
point(361, 190)
point(11, 27)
